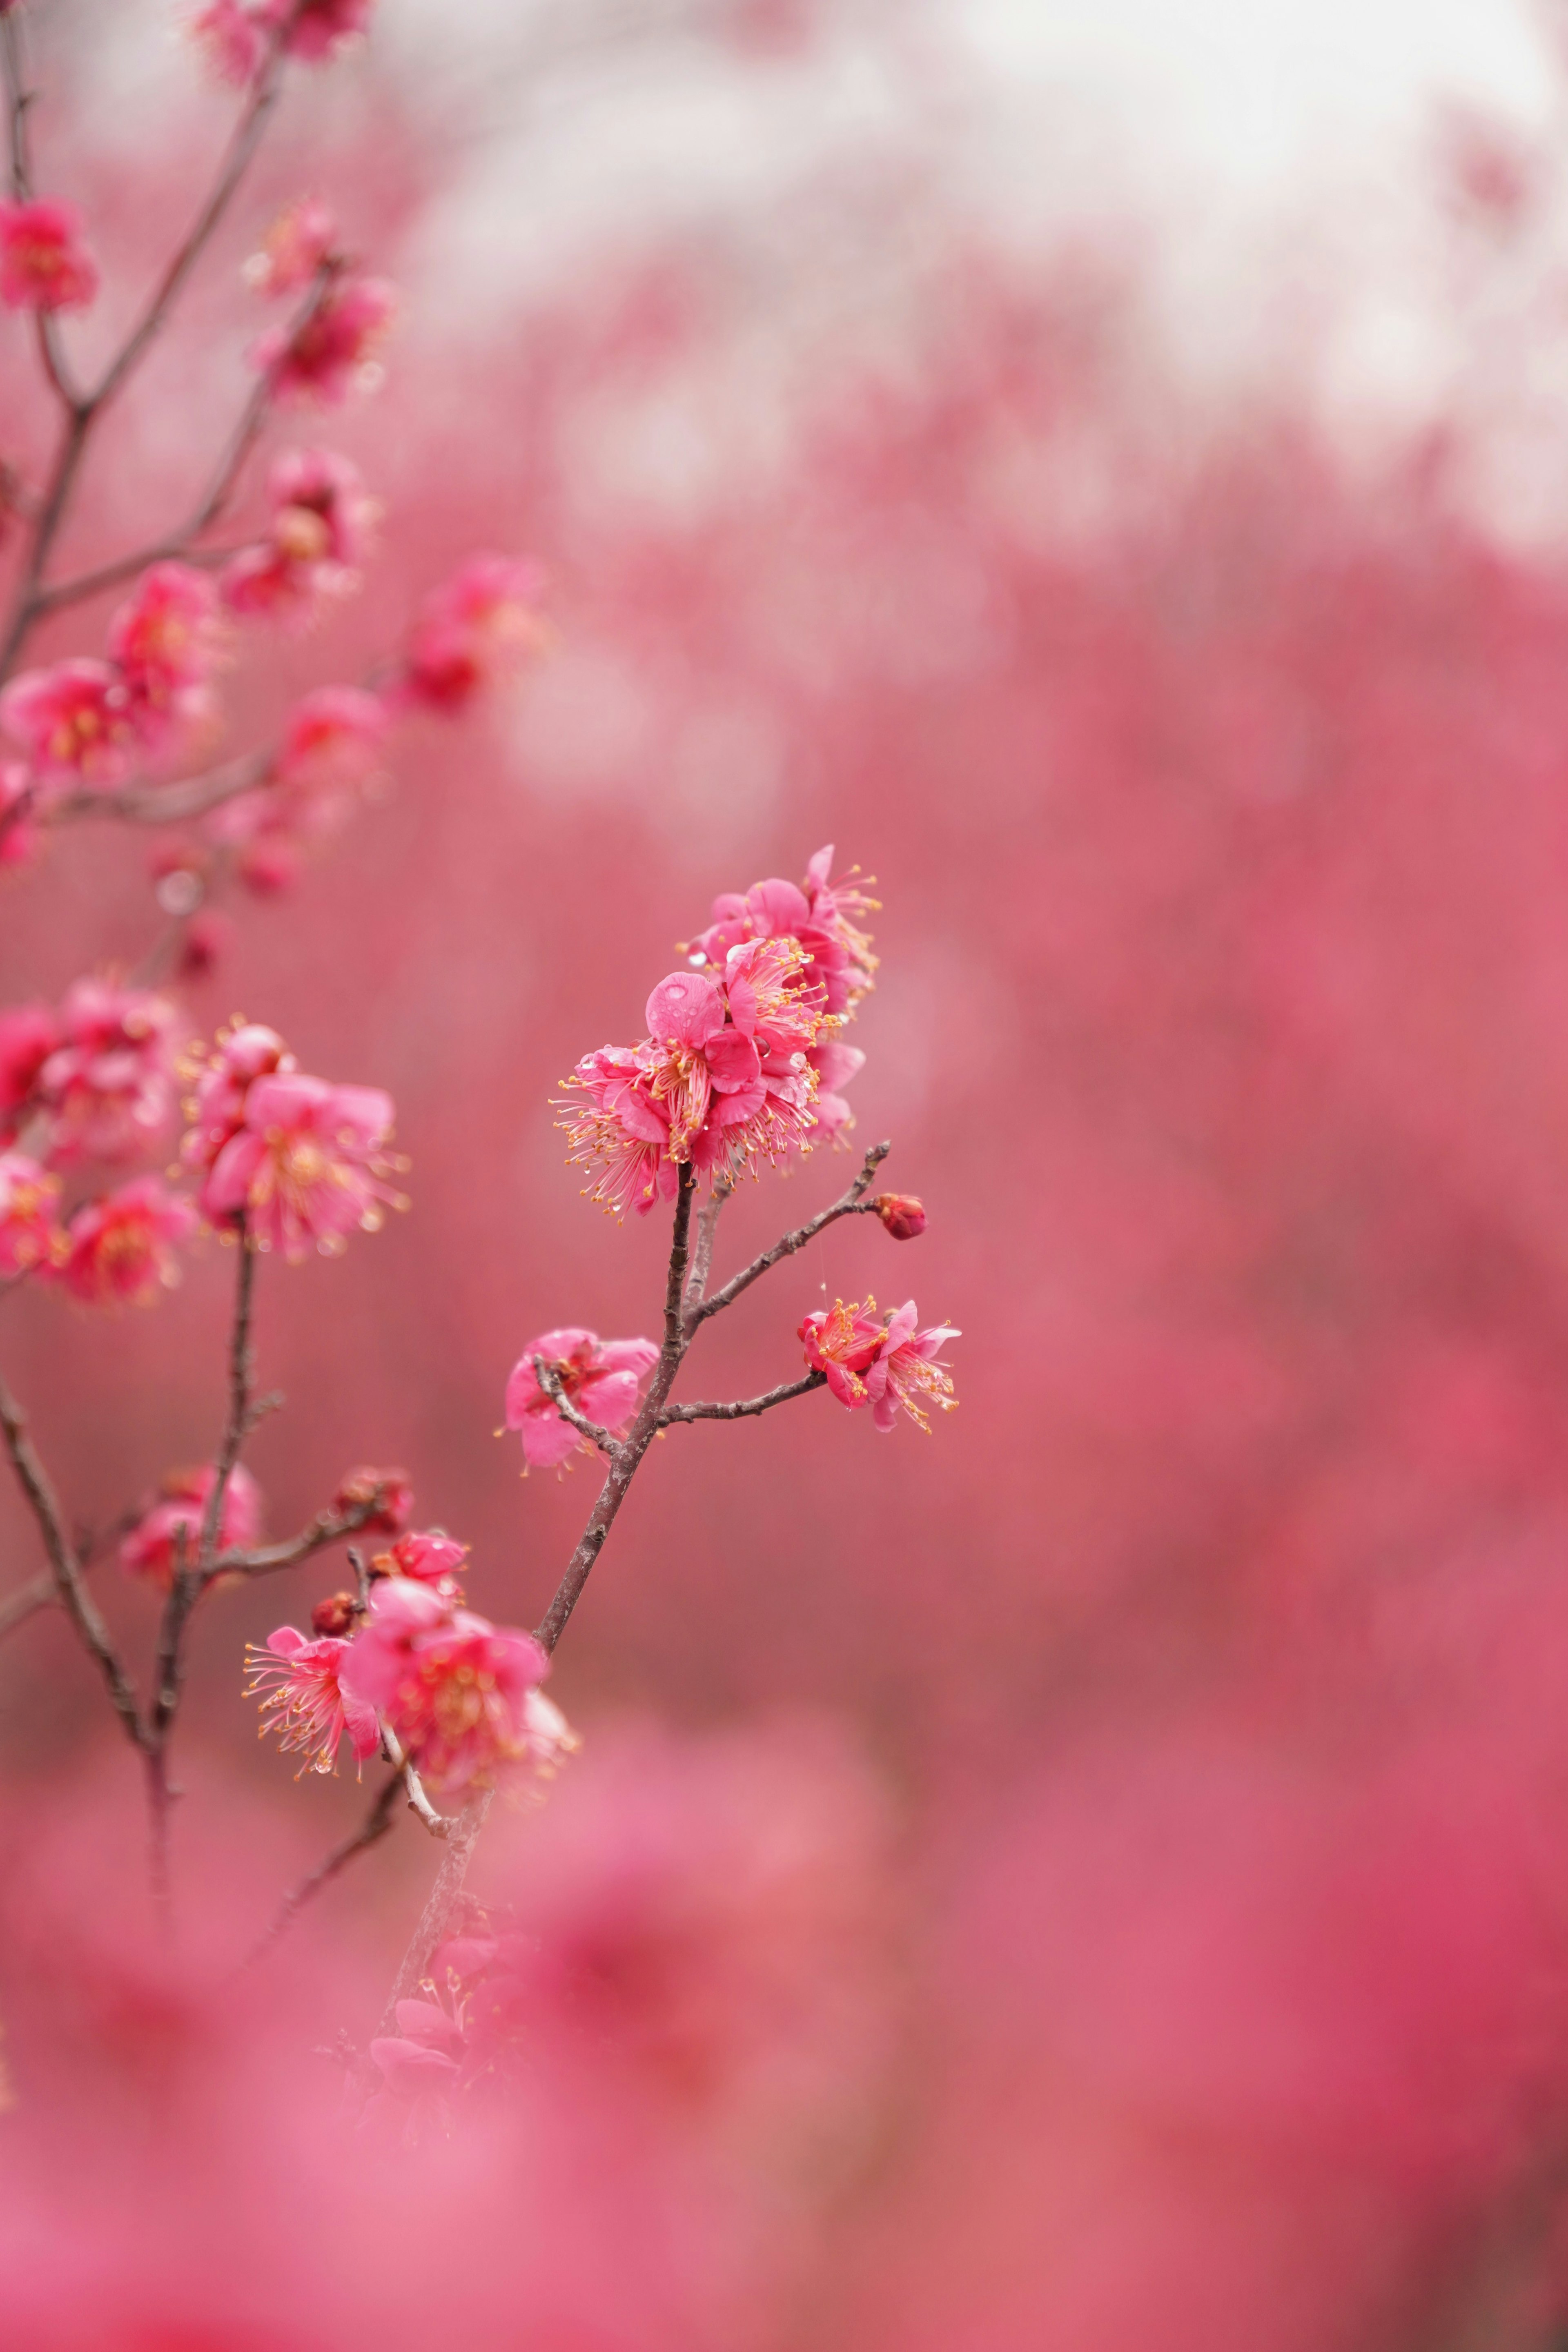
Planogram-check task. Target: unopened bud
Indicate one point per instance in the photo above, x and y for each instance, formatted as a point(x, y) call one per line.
point(902, 1214)
point(336, 1615)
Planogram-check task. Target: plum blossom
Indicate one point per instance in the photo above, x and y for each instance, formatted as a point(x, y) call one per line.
point(433, 1559)
point(29, 1234)
point(823, 915)
point(164, 640)
point(293, 249)
point(120, 1251)
point(44, 264)
point(108, 1086)
point(334, 350)
point(333, 740)
point(307, 1700)
point(305, 1164)
point(235, 35)
point(455, 1688)
point(888, 1365)
point(75, 722)
point(902, 1215)
point(172, 1520)
point(28, 1036)
point(599, 1376)
point(396, 1490)
point(321, 518)
point(478, 626)
point(243, 1052)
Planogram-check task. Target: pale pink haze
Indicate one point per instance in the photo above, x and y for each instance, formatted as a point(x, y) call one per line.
point(73, 721)
point(600, 1377)
point(306, 1703)
point(331, 352)
point(109, 1085)
point(477, 627)
point(44, 264)
point(306, 1165)
point(293, 249)
point(890, 1367)
point(172, 1519)
point(29, 1229)
point(453, 1688)
point(320, 519)
point(121, 1249)
point(431, 1558)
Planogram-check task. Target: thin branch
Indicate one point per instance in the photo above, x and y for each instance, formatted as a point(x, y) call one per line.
point(743, 1409)
point(852, 1203)
point(20, 98)
point(41, 1593)
point(435, 1918)
point(327, 1528)
point(708, 1218)
point(550, 1380)
point(166, 804)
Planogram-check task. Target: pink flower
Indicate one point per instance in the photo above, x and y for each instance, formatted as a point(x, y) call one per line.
point(886, 1366)
point(318, 30)
point(481, 625)
point(431, 1558)
point(73, 721)
point(171, 1521)
point(241, 1054)
point(320, 523)
point(822, 915)
point(902, 1215)
point(164, 640)
point(109, 1085)
point(235, 34)
point(121, 1249)
point(832, 1065)
point(599, 1376)
point(44, 266)
point(231, 37)
point(28, 1036)
point(453, 1688)
point(308, 1703)
point(396, 1492)
point(306, 1165)
point(293, 249)
point(334, 348)
point(29, 1236)
point(333, 740)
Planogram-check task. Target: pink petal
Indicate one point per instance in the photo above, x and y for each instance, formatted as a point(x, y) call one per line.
point(685, 1009)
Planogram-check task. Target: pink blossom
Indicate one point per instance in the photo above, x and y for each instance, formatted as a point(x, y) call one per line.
point(842, 1341)
point(824, 915)
point(333, 740)
point(232, 36)
point(164, 640)
point(308, 1701)
point(73, 721)
point(431, 1558)
point(332, 349)
point(600, 1377)
point(902, 1215)
point(306, 1164)
point(453, 1688)
point(44, 266)
point(885, 1365)
point(235, 34)
point(241, 1053)
point(172, 1520)
point(29, 1236)
point(121, 1249)
point(108, 1084)
point(481, 625)
point(293, 249)
point(320, 523)
point(396, 1491)
point(28, 1036)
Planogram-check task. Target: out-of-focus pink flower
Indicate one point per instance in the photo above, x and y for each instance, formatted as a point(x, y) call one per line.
point(241, 1053)
point(599, 1376)
point(29, 1234)
point(172, 1519)
point(395, 1489)
point(453, 1687)
point(201, 946)
point(333, 740)
point(165, 642)
point(321, 519)
point(293, 249)
point(335, 349)
point(824, 915)
point(18, 801)
point(478, 626)
point(73, 721)
point(231, 36)
point(121, 1249)
point(109, 1085)
point(306, 1165)
point(28, 1036)
point(44, 264)
point(235, 34)
point(903, 1216)
point(832, 1065)
point(307, 1702)
point(431, 1558)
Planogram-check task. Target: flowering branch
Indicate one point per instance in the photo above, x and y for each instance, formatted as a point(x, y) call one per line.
point(326, 1529)
point(852, 1203)
point(550, 1381)
point(742, 1411)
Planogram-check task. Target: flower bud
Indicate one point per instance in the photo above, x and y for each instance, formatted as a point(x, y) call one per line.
point(902, 1213)
point(336, 1615)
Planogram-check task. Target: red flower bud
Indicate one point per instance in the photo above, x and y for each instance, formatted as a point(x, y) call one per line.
point(336, 1615)
point(902, 1213)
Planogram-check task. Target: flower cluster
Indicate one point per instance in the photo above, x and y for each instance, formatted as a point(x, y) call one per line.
point(94, 1079)
point(884, 1362)
point(599, 1377)
point(320, 521)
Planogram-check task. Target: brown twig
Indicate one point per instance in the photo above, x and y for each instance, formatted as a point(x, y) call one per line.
point(550, 1380)
point(851, 1203)
point(462, 1834)
point(327, 1528)
point(743, 1410)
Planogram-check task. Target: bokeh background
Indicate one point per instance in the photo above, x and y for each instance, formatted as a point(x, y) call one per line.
point(1096, 1877)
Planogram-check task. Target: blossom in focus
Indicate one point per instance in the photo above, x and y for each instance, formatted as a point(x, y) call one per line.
point(479, 626)
point(306, 1164)
point(321, 518)
point(431, 1558)
point(74, 721)
point(29, 1234)
point(28, 1036)
point(823, 915)
point(121, 1249)
point(109, 1085)
point(171, 1521)
point(325, 356)
point(44, 264)
point(293, 249)
point(902, 1215)
point(600, 1377)
point(890, 1366)
point(841, 1342)
point(453, 1688)
point(307, 1702)
point(164, 640)
point(832, 1065)
point(396, 1490)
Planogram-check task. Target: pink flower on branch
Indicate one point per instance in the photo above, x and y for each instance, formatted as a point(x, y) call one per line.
point(121, 1249)
point(31, 1236)
point(889, 1366)
point(171, 1521)
point(306, 1164)
point(165, 642)
point(235, 34)
point(479, 626)
point(301, 237)
point(456, 1689)
point(44, 264)
point(822, 915)
point(432, 1559)
point(242, 1052)
point(320, 523)
point(75, 722)
point(600, 1377)
point(334, 350)
point(108, 1086)
point(307, 1702)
